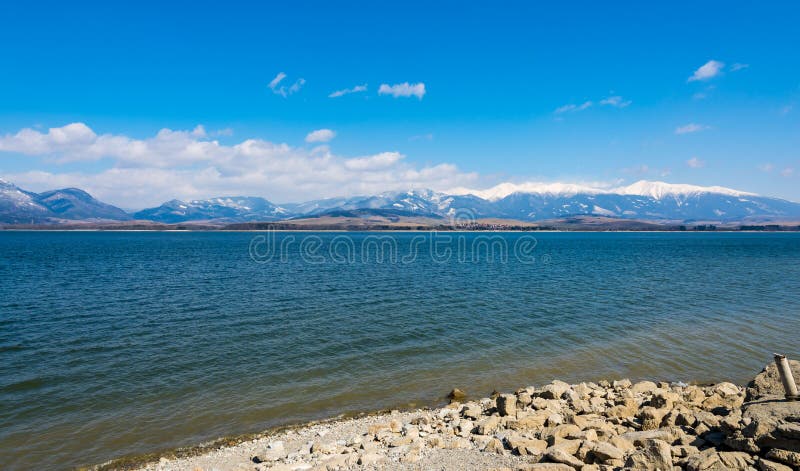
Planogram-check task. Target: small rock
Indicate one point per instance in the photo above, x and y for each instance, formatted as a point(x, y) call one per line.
point(471, 411)
point(621, 384)
point(494, 446)
point(554, 420)
point(507, 405)
point(457, 395)
point(368, 459)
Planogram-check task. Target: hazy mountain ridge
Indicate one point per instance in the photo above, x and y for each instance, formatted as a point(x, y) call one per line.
point(18, 206)
point(643, 200)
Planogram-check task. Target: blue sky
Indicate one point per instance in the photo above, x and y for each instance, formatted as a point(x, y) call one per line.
point(512, 92)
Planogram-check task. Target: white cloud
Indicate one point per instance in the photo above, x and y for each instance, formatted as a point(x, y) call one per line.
point(382, 160)
point(787, 172)
point(404, 89)
point(707, 71)
point(347, 91)
point(690, 128)
point(766, 167)
point(739, 66)
point(573, 107)
point(421, 137)
point(320, 135)
point(283, 90)
point(274, 83)
point(179, 164)
point(694, 162)
point(615, 101)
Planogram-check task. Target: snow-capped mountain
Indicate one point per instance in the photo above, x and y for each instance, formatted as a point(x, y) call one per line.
point(532, 202)
point(643, 200)
point(18, 206)
point(72, 203)
point(223, 209)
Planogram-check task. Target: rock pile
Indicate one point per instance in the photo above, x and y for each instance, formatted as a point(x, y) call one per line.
point(562, 427)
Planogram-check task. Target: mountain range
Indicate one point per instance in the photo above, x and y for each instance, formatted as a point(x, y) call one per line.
point(643, 200)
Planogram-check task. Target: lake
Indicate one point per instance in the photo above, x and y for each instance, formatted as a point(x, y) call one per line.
point(118, 343)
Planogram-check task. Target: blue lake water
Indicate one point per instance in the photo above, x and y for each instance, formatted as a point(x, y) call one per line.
point(120, 343)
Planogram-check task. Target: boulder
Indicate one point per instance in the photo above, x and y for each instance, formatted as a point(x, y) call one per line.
point(526, 446)
point(791, 458)
point(368, 459)
point(488, 425)
point(273, 452)
point(654, 455)
point(668, 434)
point(471, 411)
point(772, 423)
point(643, 387)
point(736, 460)
point(621, 384)
point(766, 465)
point(606, 451)
point(545, 467)
point(494, 446)
point(706, 460)
point(554, 390)
point(768, 382)
point(558, 455)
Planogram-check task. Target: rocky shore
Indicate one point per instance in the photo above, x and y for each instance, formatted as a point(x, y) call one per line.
point(609, 425)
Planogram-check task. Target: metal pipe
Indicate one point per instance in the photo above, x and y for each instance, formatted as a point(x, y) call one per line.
point(789, 386)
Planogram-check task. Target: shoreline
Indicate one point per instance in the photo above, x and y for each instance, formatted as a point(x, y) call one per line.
point(587, 426)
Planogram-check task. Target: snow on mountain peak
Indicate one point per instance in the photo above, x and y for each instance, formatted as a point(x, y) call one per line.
point(659, 190)
point(653, 189)
point(502, 190)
